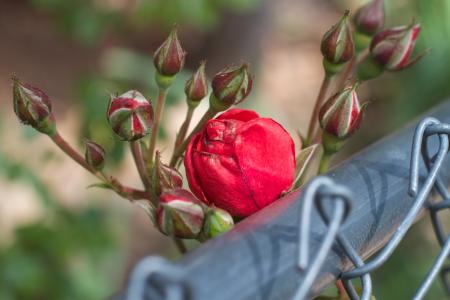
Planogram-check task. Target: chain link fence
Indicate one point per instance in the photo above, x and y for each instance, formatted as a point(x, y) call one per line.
point(328, 231)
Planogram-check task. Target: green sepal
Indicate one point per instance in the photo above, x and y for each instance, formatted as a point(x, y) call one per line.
point(332, 68)
point(368, 69)
point(163, 81)
point(362, 41)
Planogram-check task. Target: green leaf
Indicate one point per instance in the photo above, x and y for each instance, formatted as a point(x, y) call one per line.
point(303, 160)
point(102, 185)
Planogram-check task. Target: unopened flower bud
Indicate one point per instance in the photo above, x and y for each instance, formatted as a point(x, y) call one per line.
point(33, 107)
point(130, 115)
point(337, 45)
point(169, 59)
point(165, 178)
point(180, 214)
point(230, 86)
point(392, 48)
point(340, 117)
point(369, 18)
point(94, 155)
point(217, 221)
point(196, 87)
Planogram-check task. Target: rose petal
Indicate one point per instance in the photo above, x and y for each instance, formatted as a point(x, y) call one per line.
point(265, 154)
point(219, 136)
point(190, 168)
point(222, 184)
point(243, 115)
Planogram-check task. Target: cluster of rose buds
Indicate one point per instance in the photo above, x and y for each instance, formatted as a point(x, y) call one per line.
point(133, 118)
point(238, 162)
point(357, 53)
point(389, 49)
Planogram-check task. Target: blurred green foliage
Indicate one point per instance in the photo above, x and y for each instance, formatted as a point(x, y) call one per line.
point(64, 255)
point(88, 20)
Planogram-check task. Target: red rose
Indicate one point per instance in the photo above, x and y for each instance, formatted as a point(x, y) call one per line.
point(240, 162)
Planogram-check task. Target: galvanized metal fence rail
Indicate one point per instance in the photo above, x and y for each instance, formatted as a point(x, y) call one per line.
point(307, 240)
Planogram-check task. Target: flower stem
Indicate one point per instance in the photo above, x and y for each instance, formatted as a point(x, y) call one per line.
point(180, 245)
point(158, 113)
point(347, 73)
point(349, 70)
point(124, 191)
point(136, 150)
point(325, 162)
point(184, 127)
point(209, 114)
point(66, 148)
point(341, 290)
point(313, 128)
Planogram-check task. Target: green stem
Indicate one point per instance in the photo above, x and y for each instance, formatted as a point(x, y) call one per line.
point(124, 191)
point(180, 245)
point(209, 114)
point(325, 162)
point(138, 157)
point(185, 126)
point(313, 128)
point(158, 113)
point(66, 148)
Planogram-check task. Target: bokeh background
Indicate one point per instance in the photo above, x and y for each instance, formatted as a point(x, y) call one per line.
point(61, 240)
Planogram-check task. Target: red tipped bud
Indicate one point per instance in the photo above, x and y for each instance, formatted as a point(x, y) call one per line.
point(341, 115)
point(94, 155)
point(169, 57)
point(392, 48)
point(130, 115)
point(230, 86)
point(369, 18)
point(33, 107)
point(180, 214)
point(217, 221)
point(197, 87)
point(165, 178)
point(337, 44)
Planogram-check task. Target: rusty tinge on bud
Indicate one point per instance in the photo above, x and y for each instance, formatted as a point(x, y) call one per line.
point(180, 214)
point(337, 44)
point(341, 115)
point(196, 87)
point(94, 155)
point(169, 57)
point(130, 115)
point(392, 48)
point(369, 18)
point(230, 86)
point(33, 107)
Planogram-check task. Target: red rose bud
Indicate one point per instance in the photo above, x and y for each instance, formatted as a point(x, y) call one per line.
point(130, 115)
point(169, 57)
point(94, 155)
point(240, 162)
point(217, 221)
point(340, 117)
point(165, 178)
point(369, 18)
point(230, 86)
point(33, 107)
point(337, 45)
point(392, 48)
point(180, 214)
point(196, 87)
